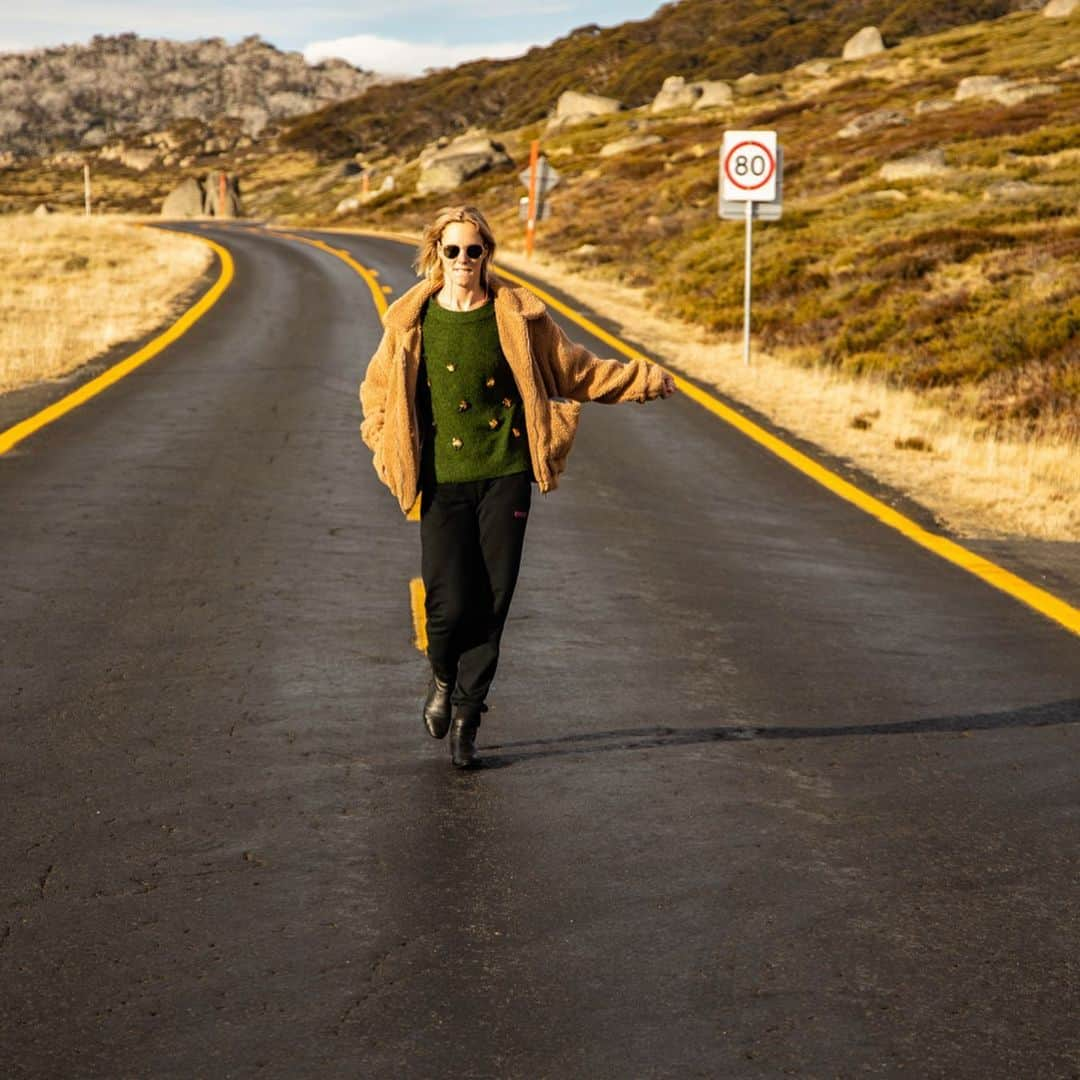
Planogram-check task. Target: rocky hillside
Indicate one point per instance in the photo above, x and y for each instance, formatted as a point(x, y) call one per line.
point(86, 95)
point(930, 232)
point(700, 39)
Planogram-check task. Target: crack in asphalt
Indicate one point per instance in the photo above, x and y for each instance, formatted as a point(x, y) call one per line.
point(43, 882)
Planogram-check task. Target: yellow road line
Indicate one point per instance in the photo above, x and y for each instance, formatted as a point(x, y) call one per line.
point(1053, 607)
point(419, 618)
point(401, 238)
point(15, 435)
point(1045, 603)
point(369, 276)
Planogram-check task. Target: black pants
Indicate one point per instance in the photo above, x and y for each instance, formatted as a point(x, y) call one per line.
point(471, 537)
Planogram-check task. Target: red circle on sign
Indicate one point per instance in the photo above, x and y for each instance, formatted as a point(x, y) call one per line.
point(768, 157)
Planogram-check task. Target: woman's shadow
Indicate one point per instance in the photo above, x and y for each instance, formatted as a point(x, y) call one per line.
point(503, 755)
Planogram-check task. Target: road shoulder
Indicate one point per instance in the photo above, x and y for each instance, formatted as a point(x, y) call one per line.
point(27, 401)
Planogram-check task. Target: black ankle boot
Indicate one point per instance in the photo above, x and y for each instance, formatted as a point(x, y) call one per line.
point(463, 739)
point(437, 707)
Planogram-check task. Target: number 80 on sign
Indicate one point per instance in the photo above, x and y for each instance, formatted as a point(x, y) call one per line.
point(748, 168)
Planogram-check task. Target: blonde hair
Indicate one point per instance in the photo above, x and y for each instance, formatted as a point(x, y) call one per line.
point(427, 263)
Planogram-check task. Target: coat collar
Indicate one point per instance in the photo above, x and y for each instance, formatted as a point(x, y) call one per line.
point(404, 313)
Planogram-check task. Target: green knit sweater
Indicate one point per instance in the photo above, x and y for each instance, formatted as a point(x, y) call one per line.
point(467, 401)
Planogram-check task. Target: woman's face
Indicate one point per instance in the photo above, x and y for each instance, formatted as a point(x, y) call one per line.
point(460, 267)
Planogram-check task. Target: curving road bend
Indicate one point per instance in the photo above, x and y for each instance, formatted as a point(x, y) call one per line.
point(767, 789)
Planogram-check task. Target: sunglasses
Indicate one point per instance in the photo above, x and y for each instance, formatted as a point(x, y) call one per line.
point(473, 251)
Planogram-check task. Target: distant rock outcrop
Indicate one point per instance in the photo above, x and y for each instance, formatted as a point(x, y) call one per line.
point(872, 121)
point(932, 105)
point(132, 157)
point(573, 107)
point(677, 93)
point(446, 167)
point(867, 42)
point(628, 143)
point(1003, 91)
point(980, 86)
point(714, 94)
point(185, 200)
point(448, 174)
point(89, 94)
point(916, 167)
point(752, 83)
point(1020, 92)
point(1015, 191)
point(216, 196)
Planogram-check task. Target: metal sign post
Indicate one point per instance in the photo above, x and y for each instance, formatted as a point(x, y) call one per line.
point(747, 281)
point(751, 185)
point(543, 210)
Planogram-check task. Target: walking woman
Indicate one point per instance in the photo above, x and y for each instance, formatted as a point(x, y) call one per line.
point(472, 396)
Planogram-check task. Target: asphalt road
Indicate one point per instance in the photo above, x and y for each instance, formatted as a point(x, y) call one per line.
point(767, 789)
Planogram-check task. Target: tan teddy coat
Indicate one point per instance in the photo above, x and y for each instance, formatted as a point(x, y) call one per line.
point(553, 376)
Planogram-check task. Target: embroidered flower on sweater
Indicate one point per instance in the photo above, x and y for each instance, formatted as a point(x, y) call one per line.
point(489, 381)
point(456, 443)
point(494, 423)
point(508, 403)
point(450, 367)
point(517, 434)
point(463, 406)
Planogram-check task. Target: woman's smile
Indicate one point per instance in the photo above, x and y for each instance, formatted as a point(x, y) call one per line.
point(463, 254)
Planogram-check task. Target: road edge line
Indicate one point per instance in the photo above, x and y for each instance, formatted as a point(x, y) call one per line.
point(419, 613)
point(25, 428)
point(369, 278)
point(1052, 607)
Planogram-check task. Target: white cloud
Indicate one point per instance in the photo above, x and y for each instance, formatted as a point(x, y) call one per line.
point(49, 22)
point(390, 56)
point(52, 22)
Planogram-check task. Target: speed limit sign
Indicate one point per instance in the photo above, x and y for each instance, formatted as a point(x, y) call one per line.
point(751, 183)
point(748, 166)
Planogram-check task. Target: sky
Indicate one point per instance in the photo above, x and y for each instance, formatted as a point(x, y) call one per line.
point(396, 37)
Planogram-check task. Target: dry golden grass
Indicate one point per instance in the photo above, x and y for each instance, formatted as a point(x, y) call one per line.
point(977, 486)
point(73, 287)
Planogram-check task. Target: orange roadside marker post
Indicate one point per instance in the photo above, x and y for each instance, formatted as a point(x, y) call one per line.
point(540, 177)
point(530, 220)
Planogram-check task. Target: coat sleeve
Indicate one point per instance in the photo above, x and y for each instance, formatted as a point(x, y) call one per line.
point(373, 392)
point(571, 371)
